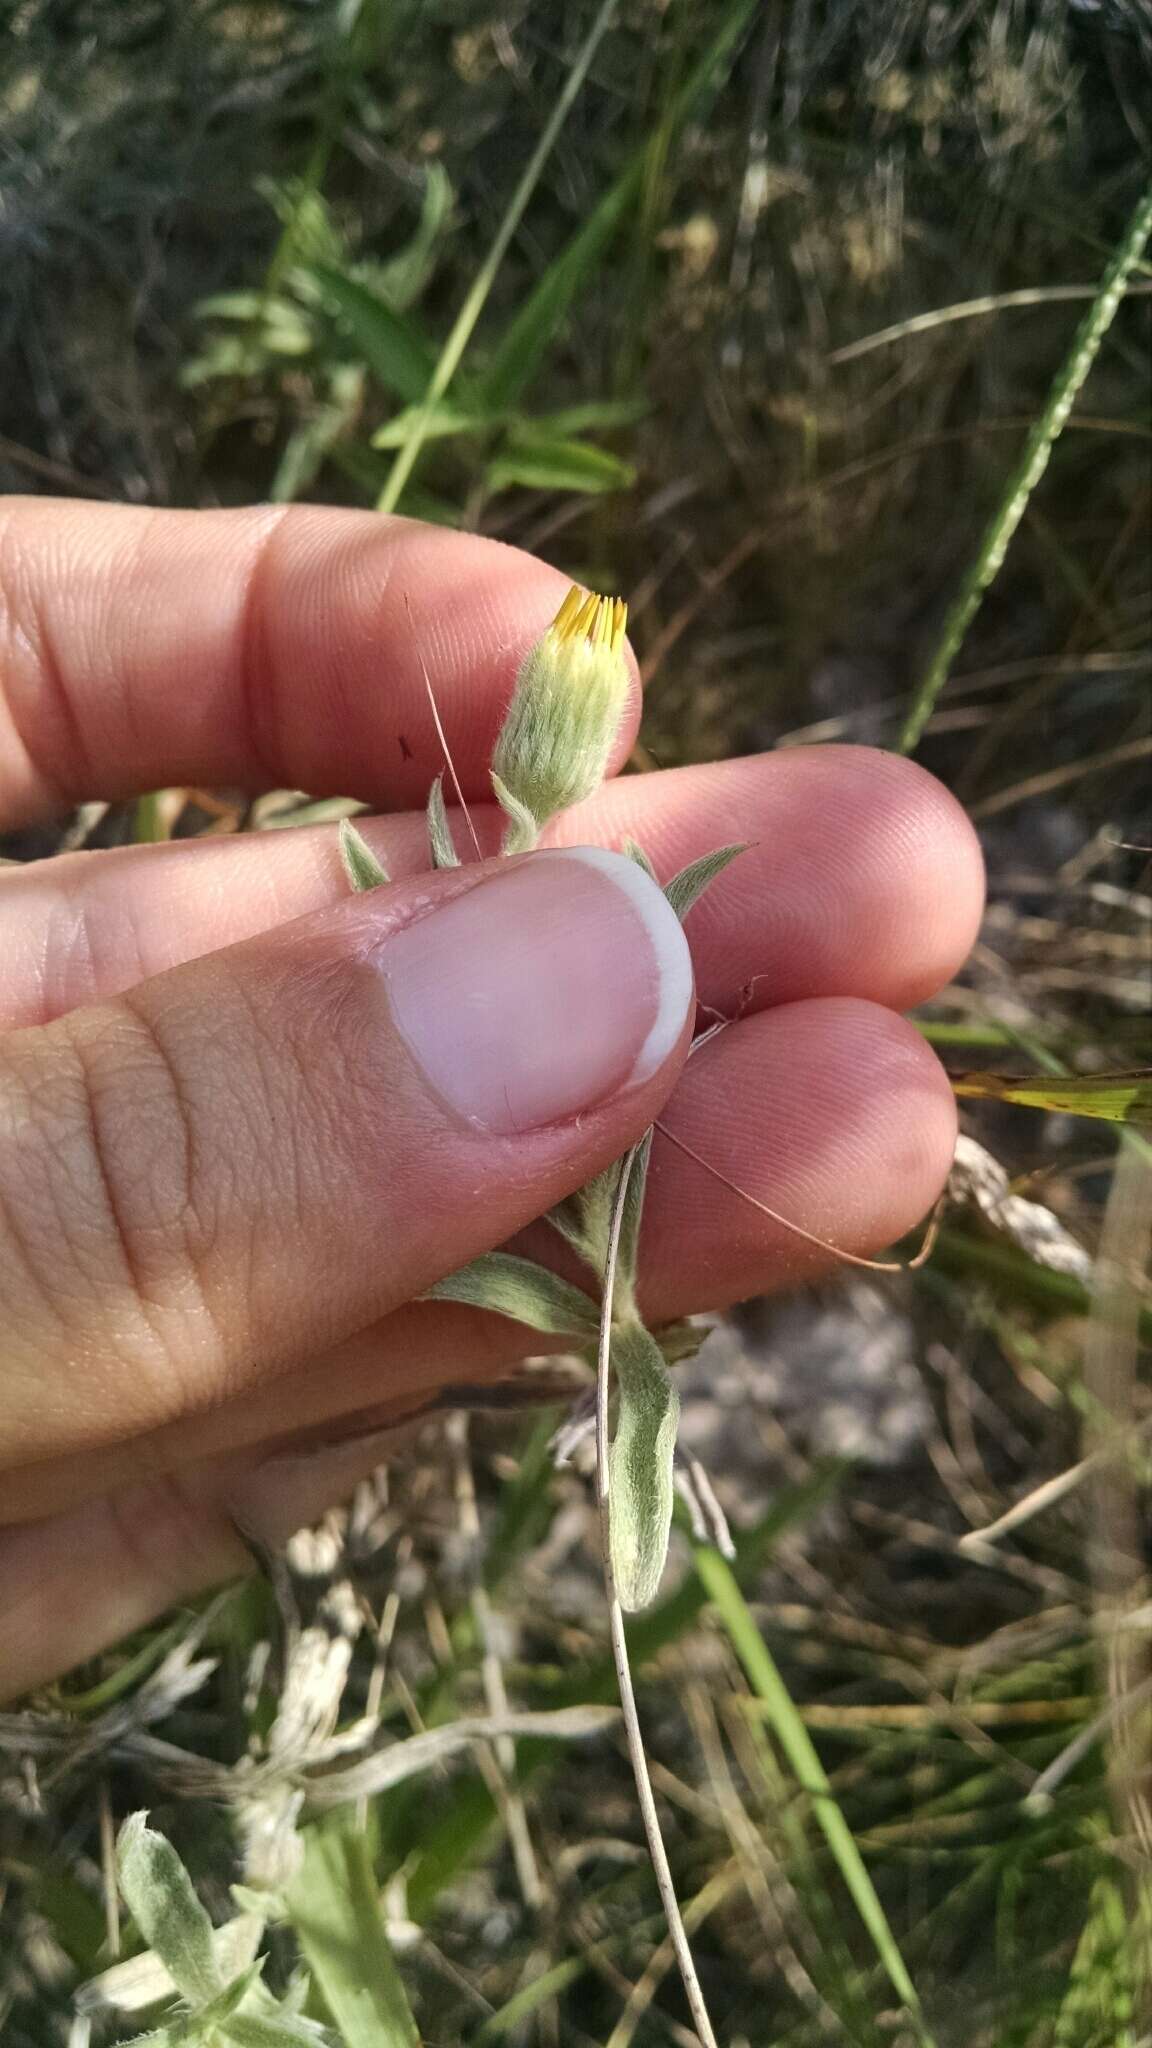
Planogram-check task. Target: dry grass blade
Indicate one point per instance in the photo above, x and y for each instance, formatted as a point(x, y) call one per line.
point(968, 309)
point(401, 1760)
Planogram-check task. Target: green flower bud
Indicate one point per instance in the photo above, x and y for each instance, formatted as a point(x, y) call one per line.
point(557, 737)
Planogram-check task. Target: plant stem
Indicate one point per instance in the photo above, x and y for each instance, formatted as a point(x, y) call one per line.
point(632, 1729)
point(449, 359)
point(1034, 461)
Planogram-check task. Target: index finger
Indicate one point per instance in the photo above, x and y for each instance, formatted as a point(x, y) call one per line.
point(278, 646)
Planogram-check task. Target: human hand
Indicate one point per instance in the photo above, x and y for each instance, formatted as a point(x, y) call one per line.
point(245, 1118)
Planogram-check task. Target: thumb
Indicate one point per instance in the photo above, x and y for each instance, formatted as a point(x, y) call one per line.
point(255, 1155)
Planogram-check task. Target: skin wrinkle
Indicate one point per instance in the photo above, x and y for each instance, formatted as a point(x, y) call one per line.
point(257, 691)
point(35, 646)
point(160, 1296)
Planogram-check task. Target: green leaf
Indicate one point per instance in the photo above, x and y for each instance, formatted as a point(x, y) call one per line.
point(523, 826)
point(444, 853)
point(547, 462)
point(585, 1218)
point(596, 415)
point(394, 350)
point(1115, 1098)
point(689, 885)
point(310, 235)
point(511, 1286)
point(641, 859)
point(361, 866)
point(441, 422)
point(335, 1906)
point(641, 1494)
point(161, 1899)
point(402, 278)
point(527, 338)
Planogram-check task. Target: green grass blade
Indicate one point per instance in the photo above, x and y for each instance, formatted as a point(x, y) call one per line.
point(1115, 1098)
point(723, 1589)
point(452, 352)
point(335, 1908)
point(510, 2018)
point(525, 342)
point(1028, 472)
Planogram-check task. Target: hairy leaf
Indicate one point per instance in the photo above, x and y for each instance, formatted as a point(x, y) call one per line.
point(641, 859)
point(444, 854)
point(162, 1901)
point(523, 827)
point(518, 1288)
point(361, 866)
point(641, 1489)
point(689, 885)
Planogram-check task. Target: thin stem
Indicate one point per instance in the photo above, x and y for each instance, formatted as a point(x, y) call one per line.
point(450, 355)
point(632, 1729)
point(1034, 461)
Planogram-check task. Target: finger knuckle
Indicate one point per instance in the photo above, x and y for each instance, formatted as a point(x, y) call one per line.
point(101, 1237)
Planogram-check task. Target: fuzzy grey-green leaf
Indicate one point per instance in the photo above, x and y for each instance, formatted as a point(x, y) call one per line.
point(689, 885)
point(361, 866)
point(444, 854)
point(641, 1489)
point(161, 1899)
point(641, 859)
point(518, 1288)
point(523, 825)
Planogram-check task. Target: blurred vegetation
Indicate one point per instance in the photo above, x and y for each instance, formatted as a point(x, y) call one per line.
point(789, 292)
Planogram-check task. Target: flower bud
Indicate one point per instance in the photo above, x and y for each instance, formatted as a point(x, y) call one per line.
point(557, 737)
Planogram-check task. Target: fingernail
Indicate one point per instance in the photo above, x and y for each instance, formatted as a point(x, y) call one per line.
point(543, 991)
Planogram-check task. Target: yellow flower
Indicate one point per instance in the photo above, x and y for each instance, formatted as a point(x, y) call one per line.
point(565, 712)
